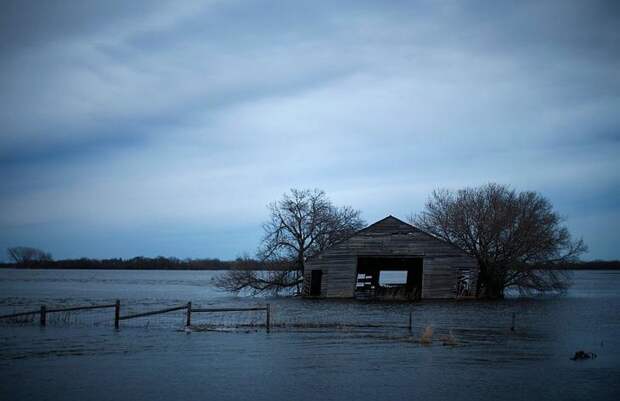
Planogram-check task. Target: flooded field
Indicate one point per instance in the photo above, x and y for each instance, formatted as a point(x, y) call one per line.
point(328, 350)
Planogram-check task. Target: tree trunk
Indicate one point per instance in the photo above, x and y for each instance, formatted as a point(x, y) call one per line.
point(489, 286)
point(482, 278)
point(494, 290)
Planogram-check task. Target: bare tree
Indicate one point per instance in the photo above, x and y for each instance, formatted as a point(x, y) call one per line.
point(301, 224)
point(24, 255)
point(513, 235)
point(257, 282)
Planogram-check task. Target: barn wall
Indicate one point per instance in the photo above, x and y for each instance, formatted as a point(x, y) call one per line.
point(391, 238)
point(338, 281)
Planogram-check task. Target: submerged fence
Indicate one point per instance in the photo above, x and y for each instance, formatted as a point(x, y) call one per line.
point(44, 311)
point(187, 317)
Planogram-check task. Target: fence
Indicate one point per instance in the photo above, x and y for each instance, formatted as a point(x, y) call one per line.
point(232, 318)
point(44, 311)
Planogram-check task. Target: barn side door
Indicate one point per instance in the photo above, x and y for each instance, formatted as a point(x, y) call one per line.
point(315, 283)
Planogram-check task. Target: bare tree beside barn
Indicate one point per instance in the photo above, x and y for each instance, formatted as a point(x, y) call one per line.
point(301, 224)
point(511, 234)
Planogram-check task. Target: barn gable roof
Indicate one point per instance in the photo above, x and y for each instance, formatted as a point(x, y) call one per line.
point(387, 226)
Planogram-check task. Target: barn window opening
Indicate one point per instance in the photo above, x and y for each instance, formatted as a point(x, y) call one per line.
point(389, 278)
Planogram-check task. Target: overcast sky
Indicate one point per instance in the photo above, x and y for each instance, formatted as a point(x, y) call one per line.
point(165, 128)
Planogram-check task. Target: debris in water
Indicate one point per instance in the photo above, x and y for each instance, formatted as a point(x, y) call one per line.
point(581, 355)
point(448, 339)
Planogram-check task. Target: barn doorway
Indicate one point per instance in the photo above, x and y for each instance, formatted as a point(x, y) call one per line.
point(315, 283)
point(389, 278)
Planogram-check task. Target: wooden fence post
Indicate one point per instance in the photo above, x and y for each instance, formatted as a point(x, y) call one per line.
point(410, 322)
point(189, 314)
point(268, 322)
point(117, 314)
point(43, 315)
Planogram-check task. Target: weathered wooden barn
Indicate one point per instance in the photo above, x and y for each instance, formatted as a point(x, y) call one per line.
point(427, 267)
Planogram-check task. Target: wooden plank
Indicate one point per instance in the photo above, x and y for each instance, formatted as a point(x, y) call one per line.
point(74, 308)
point(34, 312)
point(156, 312)
point(264, 308)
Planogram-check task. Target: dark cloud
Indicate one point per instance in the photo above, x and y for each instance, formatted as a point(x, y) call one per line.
point(27, 24)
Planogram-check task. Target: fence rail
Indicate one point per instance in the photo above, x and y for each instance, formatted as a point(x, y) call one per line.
point(74, 308)
point(150, 313)
point(34, 312)
point(43, 311)
point(228, 309)
point(266, 308)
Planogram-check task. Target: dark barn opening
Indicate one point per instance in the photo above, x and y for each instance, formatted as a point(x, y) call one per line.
point(389, 278)
point(315, 283)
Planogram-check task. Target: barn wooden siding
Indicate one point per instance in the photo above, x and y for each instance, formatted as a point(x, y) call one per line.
point(390, 237)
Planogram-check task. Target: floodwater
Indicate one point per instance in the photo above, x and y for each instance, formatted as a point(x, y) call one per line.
point(327, 350)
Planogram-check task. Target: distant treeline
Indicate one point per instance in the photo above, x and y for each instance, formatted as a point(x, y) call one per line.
point(591, 265)
point(145, 263)
point(246, 263)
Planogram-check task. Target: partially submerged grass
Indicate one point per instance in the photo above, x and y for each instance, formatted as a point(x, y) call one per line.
point(63, 318)
point(427, 336)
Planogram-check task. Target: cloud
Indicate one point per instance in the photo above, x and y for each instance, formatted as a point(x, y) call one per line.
point(167, 114)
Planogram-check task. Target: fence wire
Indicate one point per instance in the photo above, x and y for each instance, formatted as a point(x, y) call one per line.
point(382, 321)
